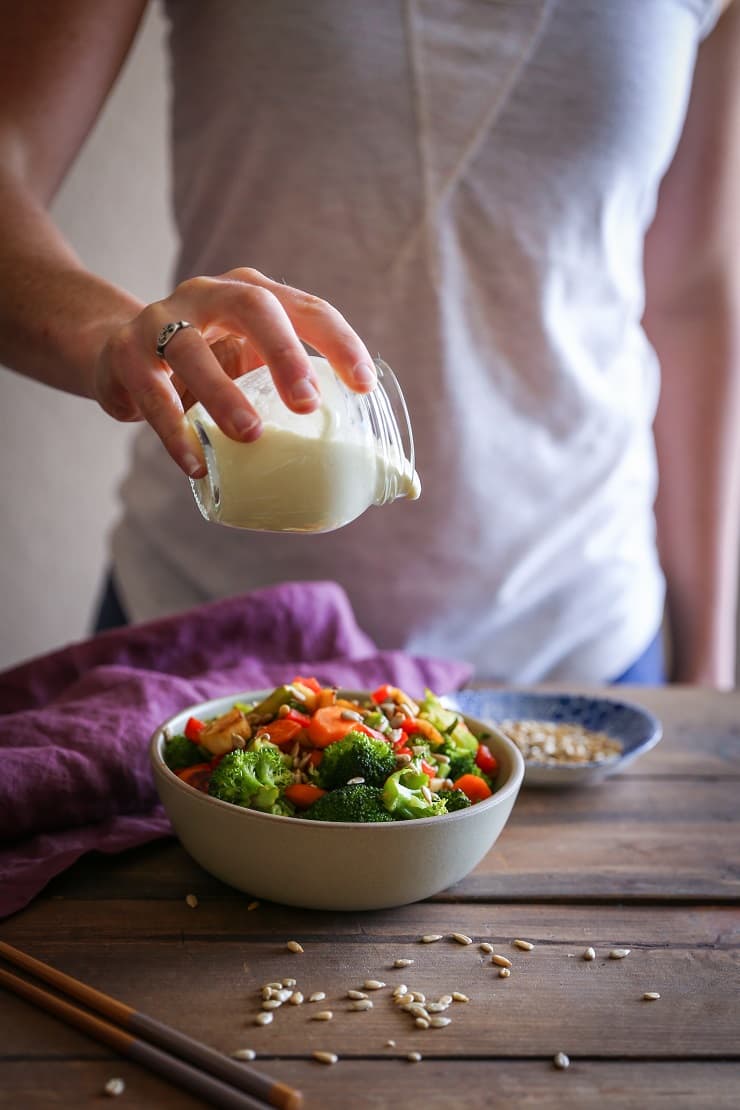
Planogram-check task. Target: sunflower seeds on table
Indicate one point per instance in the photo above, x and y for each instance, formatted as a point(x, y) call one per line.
point(461, 938)
point(361, 1004)
point(500, 961)
point(323, 1015)
point(504, 973)
point(421, 1023)
point(325, 1057)
point(373, 985)
point(561, 1061)
point(296, 998)
point(271, 1004)
point(317, 996)
point(244, 1054)
point(589, 954)
point(413, 1057)
point(439, 1022)
point(402, 963)
point(356, 995)
point(263, 1019)
point(525, 945)
point(191, 900)
point(114, 1087)
point(651, 996)
point(486, 947)
point(294, 946)
point(430, 938)
point(619, 953)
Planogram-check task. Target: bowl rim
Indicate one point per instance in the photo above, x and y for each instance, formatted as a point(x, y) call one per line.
point(641, 748)
point(510, 786)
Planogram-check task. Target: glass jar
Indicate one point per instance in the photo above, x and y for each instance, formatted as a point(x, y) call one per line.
point(310, 472)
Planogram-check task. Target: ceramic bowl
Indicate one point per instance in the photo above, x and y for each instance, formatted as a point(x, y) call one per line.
point(634, 727)
point(332, 865)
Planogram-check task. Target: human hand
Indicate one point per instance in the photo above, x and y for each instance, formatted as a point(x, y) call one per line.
point(241, 320)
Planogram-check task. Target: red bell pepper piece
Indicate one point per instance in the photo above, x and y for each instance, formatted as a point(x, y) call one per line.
point(309, 683)
point(193, 729)
point(487, 762)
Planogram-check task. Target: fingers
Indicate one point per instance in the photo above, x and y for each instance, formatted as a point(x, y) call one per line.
point(240, 321)
point(253, 312)
point(322, 326)
point(129, 389)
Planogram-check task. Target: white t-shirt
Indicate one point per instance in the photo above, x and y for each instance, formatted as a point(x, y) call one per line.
point(470, 184)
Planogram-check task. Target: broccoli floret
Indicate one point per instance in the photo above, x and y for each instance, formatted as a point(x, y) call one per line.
point(455, 799)
point(403, 797)
point(179, 752)
point(253, 779)
point(461, 762)
point(350, 803)
point(356, 756)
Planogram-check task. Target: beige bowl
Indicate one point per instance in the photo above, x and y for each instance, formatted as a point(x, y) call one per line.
point(332, 865)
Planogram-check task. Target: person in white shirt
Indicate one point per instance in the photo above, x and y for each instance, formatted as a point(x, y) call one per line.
point(526, 208)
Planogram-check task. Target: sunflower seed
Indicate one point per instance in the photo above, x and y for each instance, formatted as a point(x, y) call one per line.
point(114, 1087)
point(421, 1023)
point(283, 994)
point(414, 1057)
point(192, 900)
point(438, 1022)
point(561, 1061)
point(294, 946)
point(444, 1000)
point(323, 1015)
point(266, 993)
point(458, 996)
point(361, 1004)
point(244, 1054)
point(296, 998)
point(289, 982)
point(400, 989)
point(430, 938)
point(350, 715)
point(317, 996)
point(461, 938)
point(486, 947)
point(271, 1004)
point(427, 794)
point(589, 954)
point(619, 953)
point(504, 973)
point(402, 963)
point(418, 996)
point(356, 995)
point(390, 1044)
point(525, 945)
point(373, 985)
point(651, 996)
point(276, 986)
point(500, 961)
point(405, 999)
point(325, 1057)
point(435, 1007)
point(253, 905)
point(263, 1019)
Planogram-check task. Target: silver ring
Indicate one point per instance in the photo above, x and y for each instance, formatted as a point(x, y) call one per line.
point(167, 332)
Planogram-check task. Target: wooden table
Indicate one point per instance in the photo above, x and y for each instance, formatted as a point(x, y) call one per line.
point(649, 861)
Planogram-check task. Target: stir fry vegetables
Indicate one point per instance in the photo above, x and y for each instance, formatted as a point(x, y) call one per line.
point(306, 751)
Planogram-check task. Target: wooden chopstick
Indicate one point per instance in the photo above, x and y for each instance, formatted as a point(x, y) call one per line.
point(133, 1032)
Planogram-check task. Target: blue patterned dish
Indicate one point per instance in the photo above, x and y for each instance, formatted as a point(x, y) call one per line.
point(636, 729)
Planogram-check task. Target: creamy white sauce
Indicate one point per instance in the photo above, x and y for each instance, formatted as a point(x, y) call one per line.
point(306, 473)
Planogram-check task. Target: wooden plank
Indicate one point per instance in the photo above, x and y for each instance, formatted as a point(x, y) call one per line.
point(628, 839)
point(553, 999)
point(431, 1085)
point(228, 919)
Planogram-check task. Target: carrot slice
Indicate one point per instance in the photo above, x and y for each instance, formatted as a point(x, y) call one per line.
point(282, 731)
point(303, 794)
point(475, 788)
point(197, 775)
point(328, 725)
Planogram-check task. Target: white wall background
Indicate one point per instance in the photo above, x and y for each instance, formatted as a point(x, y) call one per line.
point(61, 457)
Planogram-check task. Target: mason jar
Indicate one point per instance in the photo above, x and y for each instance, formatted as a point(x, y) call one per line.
point(308, 472)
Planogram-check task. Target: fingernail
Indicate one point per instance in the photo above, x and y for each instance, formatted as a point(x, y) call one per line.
point(364, 375)
point(303, 391)
point(193, 466)
point(244, 422)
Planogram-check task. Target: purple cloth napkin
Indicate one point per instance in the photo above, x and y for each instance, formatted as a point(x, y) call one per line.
point(75, 725)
